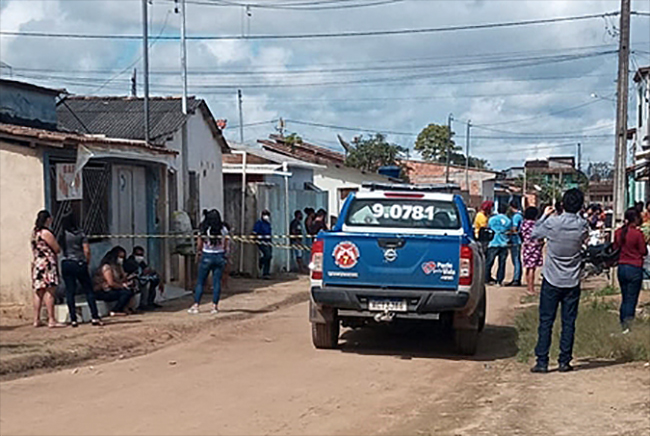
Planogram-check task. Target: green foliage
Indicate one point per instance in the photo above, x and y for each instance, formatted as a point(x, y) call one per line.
point(369, 154)
point(292, 139)
point(598, 333)
point(433, 141)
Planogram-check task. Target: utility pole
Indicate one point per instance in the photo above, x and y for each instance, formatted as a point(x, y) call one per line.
point(449, 120)
point(620, 156)
point(241, 117)
point(134, 83)
point(184, 141)
point(469, 125)
point(579, 157)
point(145, 57)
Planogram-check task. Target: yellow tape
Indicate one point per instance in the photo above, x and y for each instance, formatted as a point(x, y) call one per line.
point(246, 239)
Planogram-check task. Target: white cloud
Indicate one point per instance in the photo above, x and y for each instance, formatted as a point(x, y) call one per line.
point(502, 93)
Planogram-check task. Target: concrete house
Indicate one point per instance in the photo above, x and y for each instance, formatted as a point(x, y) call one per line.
point(202, 186)
point(332, 176)
point(266, 180)
point(113, 179)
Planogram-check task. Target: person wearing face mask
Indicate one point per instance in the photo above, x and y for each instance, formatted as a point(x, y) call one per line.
point(111, 282)
point(262, 230)
point(148, 279)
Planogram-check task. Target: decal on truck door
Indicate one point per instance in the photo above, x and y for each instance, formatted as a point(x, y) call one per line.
point(346, 255)
point(445, 269)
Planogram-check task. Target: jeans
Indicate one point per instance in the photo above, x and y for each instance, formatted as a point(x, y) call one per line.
point(630, 279)
point(515, 252)
point(492, 253)
point(266, 254)
point(149, 285)
point(549, 299)
point(210, 262)
point(73, 271)
point(122, 296)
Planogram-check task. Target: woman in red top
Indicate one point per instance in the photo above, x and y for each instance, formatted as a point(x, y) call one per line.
point(629, 239)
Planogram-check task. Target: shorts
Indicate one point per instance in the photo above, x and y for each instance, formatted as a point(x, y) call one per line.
point(297, 253)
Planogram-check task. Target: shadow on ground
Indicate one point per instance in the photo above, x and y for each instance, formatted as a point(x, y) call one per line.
point(427, 341)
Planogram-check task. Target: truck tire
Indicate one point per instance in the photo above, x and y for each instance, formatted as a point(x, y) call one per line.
point(466, 341)
point(482, 312)
point(325, 335)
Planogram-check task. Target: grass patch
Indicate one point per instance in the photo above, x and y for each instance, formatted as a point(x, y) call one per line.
point(598, 334)
point(607, 290)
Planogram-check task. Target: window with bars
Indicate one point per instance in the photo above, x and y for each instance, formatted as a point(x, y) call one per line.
point(92, 212)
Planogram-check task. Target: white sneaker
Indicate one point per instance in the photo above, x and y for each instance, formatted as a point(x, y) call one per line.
point(193, 310)
point(214, 311)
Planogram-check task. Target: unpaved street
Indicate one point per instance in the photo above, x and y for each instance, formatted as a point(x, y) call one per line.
point(262, 376)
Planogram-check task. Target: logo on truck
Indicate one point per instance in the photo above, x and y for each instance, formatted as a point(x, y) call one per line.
point(346, 255)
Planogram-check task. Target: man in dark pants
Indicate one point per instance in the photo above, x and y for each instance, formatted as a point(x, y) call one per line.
point(498, 246)
point(262, 230)
point(565, 235)
point(148, 279)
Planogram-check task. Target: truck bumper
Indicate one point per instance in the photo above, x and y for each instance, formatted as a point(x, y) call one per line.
point(419, 302)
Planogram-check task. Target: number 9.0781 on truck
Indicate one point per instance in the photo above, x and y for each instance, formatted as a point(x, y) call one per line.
point(399, 252)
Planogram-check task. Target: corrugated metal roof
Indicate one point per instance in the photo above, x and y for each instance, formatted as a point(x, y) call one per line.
point(123, 117)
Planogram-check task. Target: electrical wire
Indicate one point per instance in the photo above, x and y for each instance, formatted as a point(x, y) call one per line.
point(318, 35)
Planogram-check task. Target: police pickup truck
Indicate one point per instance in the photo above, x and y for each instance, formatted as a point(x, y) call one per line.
point(399, 252)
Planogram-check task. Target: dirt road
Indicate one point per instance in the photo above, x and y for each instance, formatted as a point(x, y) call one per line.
point(262, 376)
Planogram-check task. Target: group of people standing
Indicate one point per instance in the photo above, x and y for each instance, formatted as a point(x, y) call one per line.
point(116, 280)
point(512, 237)
point(563, 230)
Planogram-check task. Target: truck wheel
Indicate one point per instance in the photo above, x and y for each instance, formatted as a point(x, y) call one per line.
point(482, 311)
point(325, 336)
point(466, 341)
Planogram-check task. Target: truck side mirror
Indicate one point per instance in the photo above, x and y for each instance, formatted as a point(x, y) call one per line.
point(485, 235)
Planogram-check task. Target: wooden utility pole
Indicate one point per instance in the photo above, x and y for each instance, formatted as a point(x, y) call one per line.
point(134, 83)
point(241, 116)
point(620, 155)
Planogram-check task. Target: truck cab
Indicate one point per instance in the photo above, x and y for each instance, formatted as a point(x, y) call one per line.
point(403, 252)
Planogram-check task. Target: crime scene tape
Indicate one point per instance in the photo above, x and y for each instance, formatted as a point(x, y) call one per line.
point(246, 239)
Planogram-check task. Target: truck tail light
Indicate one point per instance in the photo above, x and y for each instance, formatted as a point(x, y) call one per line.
point(466, 265)
point(316, 264)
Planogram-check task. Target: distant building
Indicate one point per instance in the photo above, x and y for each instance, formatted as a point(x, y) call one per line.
point(601, 192)
point(333, 176)
point(557, 171)
point(639, 186)
point(421, 172)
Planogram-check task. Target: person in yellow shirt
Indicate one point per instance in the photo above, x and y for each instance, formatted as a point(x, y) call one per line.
point(483, 216)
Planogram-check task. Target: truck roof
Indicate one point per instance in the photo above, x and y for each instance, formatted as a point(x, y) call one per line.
point(450, 188)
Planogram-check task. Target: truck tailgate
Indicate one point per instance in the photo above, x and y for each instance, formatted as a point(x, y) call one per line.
point(391, 260)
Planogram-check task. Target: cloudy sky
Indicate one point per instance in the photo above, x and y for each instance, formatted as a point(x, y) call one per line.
point(530, 91)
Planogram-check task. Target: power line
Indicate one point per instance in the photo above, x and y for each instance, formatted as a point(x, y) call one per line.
point(319, 35)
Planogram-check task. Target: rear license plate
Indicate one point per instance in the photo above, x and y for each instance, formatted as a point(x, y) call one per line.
point(387, 305)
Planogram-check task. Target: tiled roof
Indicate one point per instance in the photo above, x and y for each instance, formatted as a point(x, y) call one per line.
point(61, 139)
point(303, 151)
point(123, 117)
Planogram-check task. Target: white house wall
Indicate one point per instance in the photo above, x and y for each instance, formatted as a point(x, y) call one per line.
point(334, 178)
point(204, 159)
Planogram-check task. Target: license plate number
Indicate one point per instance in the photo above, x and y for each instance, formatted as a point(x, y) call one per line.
point(387, 305)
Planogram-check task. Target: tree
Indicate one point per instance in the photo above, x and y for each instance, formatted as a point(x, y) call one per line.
point(597, 171)
point(369, 154)
point(433, 141)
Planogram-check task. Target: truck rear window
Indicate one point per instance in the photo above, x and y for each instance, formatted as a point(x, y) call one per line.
point(403, 213)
